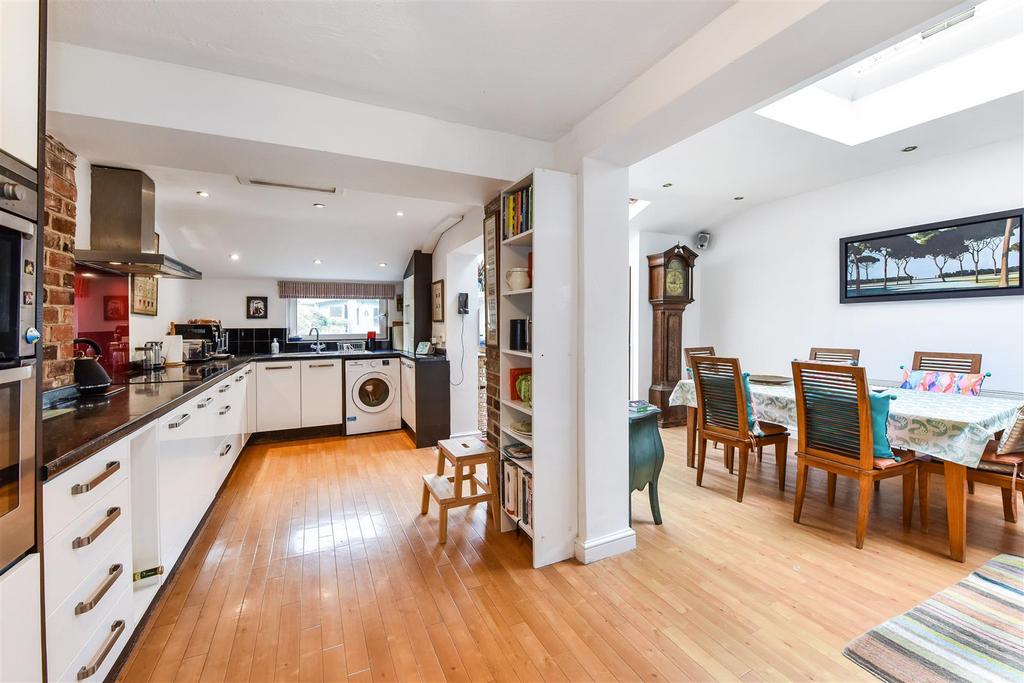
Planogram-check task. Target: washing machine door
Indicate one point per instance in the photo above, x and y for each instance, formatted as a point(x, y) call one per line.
point(373, 392)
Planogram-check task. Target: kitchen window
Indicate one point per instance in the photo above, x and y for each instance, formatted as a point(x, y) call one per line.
point(339, 318)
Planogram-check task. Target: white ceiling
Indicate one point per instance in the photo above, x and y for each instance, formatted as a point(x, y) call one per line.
point(762, 160)
point(529, 68)
point(279, 233)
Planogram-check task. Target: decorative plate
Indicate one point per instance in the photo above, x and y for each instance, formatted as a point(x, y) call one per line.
point(770, 379)
point(524, 427)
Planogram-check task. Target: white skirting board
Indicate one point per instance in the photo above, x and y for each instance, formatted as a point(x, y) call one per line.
point(615, 543)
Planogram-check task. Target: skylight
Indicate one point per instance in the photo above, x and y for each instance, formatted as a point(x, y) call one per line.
point(965, 60)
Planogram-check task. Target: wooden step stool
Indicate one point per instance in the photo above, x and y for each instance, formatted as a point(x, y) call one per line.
point(464, 455)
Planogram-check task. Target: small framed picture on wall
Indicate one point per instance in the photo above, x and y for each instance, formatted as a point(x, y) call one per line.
point(115, 308)
point(256, 307)
point(145, 294)
point(437, 301)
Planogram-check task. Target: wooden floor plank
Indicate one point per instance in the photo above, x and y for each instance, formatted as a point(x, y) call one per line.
point(315, 565)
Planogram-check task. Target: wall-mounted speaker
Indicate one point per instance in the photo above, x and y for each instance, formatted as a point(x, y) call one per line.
point(703, 240)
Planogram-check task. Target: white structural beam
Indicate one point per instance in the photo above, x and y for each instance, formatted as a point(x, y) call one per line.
point(603, 343)
point(104, 85)
point(751, 52)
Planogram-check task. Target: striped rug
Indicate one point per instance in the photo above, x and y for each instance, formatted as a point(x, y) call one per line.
point(973, 631)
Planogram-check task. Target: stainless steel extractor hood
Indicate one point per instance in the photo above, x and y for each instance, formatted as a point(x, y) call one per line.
point(123, 236)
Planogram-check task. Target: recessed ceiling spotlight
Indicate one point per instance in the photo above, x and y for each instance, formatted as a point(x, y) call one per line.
point(203, 193)
point(234, 257)
point(738, 198)
point(88, 275)
point(909, 148)
point(382, 265)
point(319, 205)
point(317, 262)
point(399, 213)
point(115, 263)
point(666, 185)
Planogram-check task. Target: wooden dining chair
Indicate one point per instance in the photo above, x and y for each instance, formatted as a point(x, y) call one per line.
point(833, 414)
point(942, 361)
point(1002, 469)
point(692, 352)
point(722, 416)
point(828, 355)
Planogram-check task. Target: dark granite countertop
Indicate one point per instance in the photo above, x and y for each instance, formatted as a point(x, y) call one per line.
point(85, 427)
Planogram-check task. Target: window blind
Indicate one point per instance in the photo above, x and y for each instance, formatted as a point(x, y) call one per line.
point(326, 289)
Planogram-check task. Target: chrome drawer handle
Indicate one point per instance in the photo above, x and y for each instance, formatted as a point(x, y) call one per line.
point(321, 365)
point(112, 466)
point(224, 388)
point(116, 629)
point(248, 371)
point(227, 449)
point(113, 575)
point(180, 421)
point(205, 403)
point(227, 409)
point(82, 541)
point(239, 378)
point(278, 367)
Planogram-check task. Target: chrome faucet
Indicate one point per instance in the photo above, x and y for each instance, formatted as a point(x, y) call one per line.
point(317, 346)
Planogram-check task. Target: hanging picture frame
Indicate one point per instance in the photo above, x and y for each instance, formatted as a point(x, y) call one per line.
point(145, 295)
point(491, 279)
point(437, 301)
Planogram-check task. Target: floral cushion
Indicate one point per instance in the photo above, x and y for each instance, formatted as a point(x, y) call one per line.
point(968, 384)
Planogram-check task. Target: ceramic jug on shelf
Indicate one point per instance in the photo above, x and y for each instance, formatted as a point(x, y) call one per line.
point(517, 278)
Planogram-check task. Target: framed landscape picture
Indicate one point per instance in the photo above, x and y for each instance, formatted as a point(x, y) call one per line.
point(966, 257)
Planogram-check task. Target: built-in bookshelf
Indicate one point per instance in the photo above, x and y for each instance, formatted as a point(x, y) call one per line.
point(538, 436)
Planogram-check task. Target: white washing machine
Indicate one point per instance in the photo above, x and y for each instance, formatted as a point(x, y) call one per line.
point(372, 395)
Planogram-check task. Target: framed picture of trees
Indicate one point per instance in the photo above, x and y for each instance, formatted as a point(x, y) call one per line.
point(976, 256)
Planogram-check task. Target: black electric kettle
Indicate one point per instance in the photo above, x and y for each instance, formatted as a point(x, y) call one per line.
point(89, 374)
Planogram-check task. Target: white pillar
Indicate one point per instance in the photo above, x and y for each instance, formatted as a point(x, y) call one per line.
point(603, 361)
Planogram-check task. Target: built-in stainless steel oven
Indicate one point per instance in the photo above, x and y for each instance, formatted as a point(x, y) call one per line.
point(18, 364)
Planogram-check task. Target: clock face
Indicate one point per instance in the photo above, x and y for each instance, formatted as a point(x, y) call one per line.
point(675, 279)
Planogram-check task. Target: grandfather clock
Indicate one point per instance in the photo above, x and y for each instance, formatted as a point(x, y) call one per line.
point(670, 290)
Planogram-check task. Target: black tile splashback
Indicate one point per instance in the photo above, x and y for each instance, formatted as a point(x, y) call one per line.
point(244, 341)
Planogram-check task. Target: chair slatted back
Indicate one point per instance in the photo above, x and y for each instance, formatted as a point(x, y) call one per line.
point(947, 362)
point(721, 405)
point(833, 412)
point(835, 355)
point(693, 351)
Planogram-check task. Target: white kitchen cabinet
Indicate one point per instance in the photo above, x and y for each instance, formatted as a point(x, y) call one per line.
point(408, 314)
point(21, 656)
point(250, 400)
point(323, 392)
point(278, 395)
point(409, 393)
point(19, 87)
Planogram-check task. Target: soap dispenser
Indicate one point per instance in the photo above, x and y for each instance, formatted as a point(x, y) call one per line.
point(275, 348)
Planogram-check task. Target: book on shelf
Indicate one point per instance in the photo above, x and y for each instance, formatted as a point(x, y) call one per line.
point(517, 451)
point(526, 499)
point(518, 212)
point(510, 489)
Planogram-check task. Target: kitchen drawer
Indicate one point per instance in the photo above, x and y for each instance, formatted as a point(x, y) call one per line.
point(107, 522)
point(190, 420)
point(228, 412)
point(74, 492)
point(103, 646)
point(70, 623)
point(227, 454)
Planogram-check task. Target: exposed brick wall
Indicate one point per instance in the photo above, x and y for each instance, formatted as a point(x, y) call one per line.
point(59, 265)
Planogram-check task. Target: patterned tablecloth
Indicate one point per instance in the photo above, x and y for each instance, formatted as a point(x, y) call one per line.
point(946, 426)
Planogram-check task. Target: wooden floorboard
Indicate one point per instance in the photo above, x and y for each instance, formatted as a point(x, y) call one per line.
point(315, 565)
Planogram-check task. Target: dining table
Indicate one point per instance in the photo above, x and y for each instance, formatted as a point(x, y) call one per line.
point(953, 428)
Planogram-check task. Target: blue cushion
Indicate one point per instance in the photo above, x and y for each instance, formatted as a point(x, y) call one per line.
point(751, 422)
point(879, 422)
